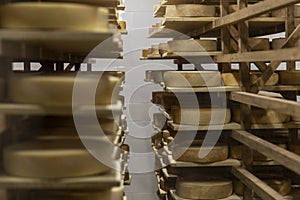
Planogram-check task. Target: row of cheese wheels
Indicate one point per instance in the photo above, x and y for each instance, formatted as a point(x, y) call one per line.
point(194, 45)
point(56, 89)
point(196, 10)
point(218, 188)
point(54, 16)
point(216, 79)
point(218, 116)
point(220, 152)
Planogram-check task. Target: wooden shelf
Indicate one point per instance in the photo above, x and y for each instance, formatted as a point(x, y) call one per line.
point(57, 45)
point(174, 196)
point(226, 163)
point(91, 182)
point(32, 109)
point(202, 89)
point(173, 27)
point(213, 2)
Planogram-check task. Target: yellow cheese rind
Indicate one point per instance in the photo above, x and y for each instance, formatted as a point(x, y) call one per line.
point(190, 10)
point(47, 15)
point(204, 188)
point(56, 89)
point(217, 153)
point(202, 116)
point(51, 159)
point(192, 79)
point(192, 45)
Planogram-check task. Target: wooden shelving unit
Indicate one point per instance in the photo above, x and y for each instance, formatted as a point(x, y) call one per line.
point(229, 29)
point(53, 50)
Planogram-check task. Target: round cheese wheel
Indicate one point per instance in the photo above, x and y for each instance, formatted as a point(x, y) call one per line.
point(145, 53)
point(281, 185)
point(289, 77)
point(56, 89)
point(163, 48)
point(154, 49)
point(233, 79)
point(46, 15)
point(115, 193)
point(51, 159)
point(202, 116)
point(219, 152)
point(192, 45)
point(192, 79)
point(204, 188)
point(190, 10)
point(261, 116)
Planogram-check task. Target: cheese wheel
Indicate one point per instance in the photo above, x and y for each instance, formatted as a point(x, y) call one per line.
point(192, 45)
point(233, 79)
point(192, 79)
point(145, 53)
point(289, 77)
point(46, 15)
point(51, 159)
point(155, 76)
point(115, 193)
point(281, 185)
point(278, 42)
point(204, 188)
point(261, 116)
point(219, 152)
point(190, 10)
point(202, 116)
point(163, 48)
point(56, 89)
point(154, 49)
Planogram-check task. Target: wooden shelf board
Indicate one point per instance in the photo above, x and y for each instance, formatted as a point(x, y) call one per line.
point(174, 196)
point(213, 2)
point(226, 163)
point(46, 45)
point(90, 182)
point(202, 89)
point(102, 3)
point(32, 109)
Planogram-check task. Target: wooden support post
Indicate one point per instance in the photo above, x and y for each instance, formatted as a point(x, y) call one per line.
point(27, 66)
point(77, 67)
point(289, 28)
point(225, 36)
point(60, 66)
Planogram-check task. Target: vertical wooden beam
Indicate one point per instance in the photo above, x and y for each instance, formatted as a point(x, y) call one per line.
point(225, 35)
point(289, 28)
point(60, 66)
point(27, 66)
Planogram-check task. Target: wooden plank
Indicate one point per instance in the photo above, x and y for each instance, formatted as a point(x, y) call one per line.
point(92, 182)
point(283, 106)
point(245, 14)
point(278, 154)
point(289, 54)
point(260, 188)
point(174, 196)
point(230, 126)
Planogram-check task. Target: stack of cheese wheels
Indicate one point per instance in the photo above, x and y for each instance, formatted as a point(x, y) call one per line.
point(261, 116)
point(115, 193)
point(54, 158)
point(53, 16)
point(56, 89)
point(233, 79)
point(204, 187)
point(216, 153)
point(281, 185)
point(236, 153)
point(154, 50)
point(192, 79)
point(192, 45)
point(190, 10)
point(277, 43)
point(289, 77)
point(201, 116)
